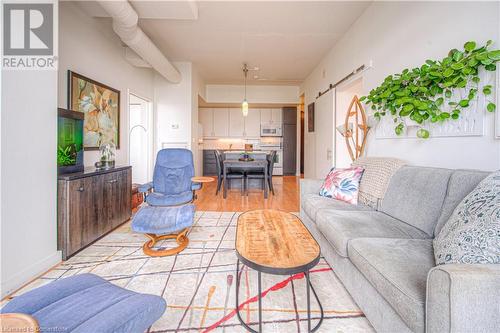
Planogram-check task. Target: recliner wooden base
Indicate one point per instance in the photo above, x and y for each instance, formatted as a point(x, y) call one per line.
point(181, 239)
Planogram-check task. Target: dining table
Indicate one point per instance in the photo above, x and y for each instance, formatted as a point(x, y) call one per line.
point(254, 164)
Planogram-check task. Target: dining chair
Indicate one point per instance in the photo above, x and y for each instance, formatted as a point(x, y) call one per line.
point(272, 160)
point(230, 174)
point(260, 173)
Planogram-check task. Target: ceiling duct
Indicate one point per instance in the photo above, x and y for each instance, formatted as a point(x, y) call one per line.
point(125, 20)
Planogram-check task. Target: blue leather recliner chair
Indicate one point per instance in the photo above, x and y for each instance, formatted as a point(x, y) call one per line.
point(170, 212)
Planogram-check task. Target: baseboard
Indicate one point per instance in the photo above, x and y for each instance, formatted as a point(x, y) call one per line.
point(29, 273)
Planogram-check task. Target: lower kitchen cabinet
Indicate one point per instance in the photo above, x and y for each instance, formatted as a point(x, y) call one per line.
point(91, 204)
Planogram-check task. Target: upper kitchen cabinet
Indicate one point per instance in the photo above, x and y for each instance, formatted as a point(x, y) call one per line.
point(221, 127)
point(252, 124)
point(206, 119)
point(236, 123)
point(277, 116)
point(270, 116)
point(214, 122)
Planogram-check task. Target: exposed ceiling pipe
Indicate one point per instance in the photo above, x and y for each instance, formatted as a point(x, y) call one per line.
point(125, 20)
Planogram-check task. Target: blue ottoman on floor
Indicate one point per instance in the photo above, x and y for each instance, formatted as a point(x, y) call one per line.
point(160, 222)
point(86, 303)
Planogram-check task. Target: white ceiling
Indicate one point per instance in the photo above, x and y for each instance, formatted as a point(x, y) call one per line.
point(285, 39)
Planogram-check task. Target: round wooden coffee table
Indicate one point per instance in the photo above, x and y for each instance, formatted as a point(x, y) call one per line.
point(275, 242)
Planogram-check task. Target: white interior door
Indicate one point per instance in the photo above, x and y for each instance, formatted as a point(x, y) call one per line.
point(141, 139)
point(324, 123)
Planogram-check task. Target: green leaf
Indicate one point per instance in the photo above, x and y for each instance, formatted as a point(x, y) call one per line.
point(487, 90)
point(486, 62)
point(457, 56)
point(444, 116)
point(491, 67)
point(491, 107)
point(406, 110)
point(476, 79)
point(464, 103)
point(399, 129)
point(423, 133)
point(482, 56)
point(448, 93)
point(470, 46)
point(362, 98)
point(473, 62)
point(467, 70)
point(439, 101)
point(494, 55)
point(448, 72)
point(455, 116)
point(457, 66)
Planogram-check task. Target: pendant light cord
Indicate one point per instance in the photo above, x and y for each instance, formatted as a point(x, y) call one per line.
point(245, 71)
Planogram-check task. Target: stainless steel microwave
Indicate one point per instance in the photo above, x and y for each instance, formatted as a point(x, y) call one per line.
point(270, 130)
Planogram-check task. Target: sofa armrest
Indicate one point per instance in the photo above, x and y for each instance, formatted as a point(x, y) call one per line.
point(463, 298)
point(310, 186)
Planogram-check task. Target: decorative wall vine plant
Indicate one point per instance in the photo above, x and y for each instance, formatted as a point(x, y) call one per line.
point(420, 93)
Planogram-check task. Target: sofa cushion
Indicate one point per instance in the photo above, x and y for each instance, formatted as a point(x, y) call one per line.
point(415, 196)
point(398, 269)
point(461, 183)
point(342, 184)
point(340, 227)
point(472, 233)
point(312, 203)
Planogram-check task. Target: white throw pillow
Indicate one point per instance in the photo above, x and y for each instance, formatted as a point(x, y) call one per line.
point(472, 233)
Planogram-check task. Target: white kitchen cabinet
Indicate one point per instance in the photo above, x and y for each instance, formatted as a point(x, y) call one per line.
point(265, 116)
point(276, 116)
point(271, 116)
point(206, 119)
point(236, 123)
point(220, 120)
point(252, 123)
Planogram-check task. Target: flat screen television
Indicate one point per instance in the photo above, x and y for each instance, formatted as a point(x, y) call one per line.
point(69, 141)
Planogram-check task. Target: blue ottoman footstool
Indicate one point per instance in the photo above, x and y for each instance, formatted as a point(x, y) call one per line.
point(86, 303)
point(164, 222)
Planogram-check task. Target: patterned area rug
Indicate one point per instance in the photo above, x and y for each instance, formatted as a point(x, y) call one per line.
point(199, 283)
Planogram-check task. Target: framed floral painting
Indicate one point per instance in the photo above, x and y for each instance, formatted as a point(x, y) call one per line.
point(101, 106)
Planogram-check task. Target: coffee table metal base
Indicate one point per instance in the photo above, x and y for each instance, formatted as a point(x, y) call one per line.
point(309, 287)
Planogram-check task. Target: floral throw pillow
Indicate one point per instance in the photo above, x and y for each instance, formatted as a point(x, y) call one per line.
point(472, 233)
point(342, 184)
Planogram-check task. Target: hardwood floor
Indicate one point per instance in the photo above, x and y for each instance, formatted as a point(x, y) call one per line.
point(286, 197)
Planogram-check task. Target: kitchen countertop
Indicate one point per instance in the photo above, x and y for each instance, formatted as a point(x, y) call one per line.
point(246, 152)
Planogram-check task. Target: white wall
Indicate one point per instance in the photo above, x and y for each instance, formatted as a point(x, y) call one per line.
point(398, 35)
point(89, 47)
point(28, 176)
point(222, 93)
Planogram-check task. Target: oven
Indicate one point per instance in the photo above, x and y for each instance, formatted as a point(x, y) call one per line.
point(278, 162)
point(270, 130)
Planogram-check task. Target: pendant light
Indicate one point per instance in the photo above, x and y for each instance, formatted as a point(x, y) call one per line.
point(244, 104)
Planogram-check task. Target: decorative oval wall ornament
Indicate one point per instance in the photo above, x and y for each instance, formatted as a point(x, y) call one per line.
point(355, 128)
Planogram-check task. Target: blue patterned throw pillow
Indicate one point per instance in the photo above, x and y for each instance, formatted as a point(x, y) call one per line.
point(472, 233)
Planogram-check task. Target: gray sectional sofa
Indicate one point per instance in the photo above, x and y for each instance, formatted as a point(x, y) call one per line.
point(384, 255)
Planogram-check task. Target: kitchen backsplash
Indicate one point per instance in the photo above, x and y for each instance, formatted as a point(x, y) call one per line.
point(229, 143)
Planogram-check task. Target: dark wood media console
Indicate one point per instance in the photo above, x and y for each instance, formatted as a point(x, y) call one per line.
point(91, 204)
